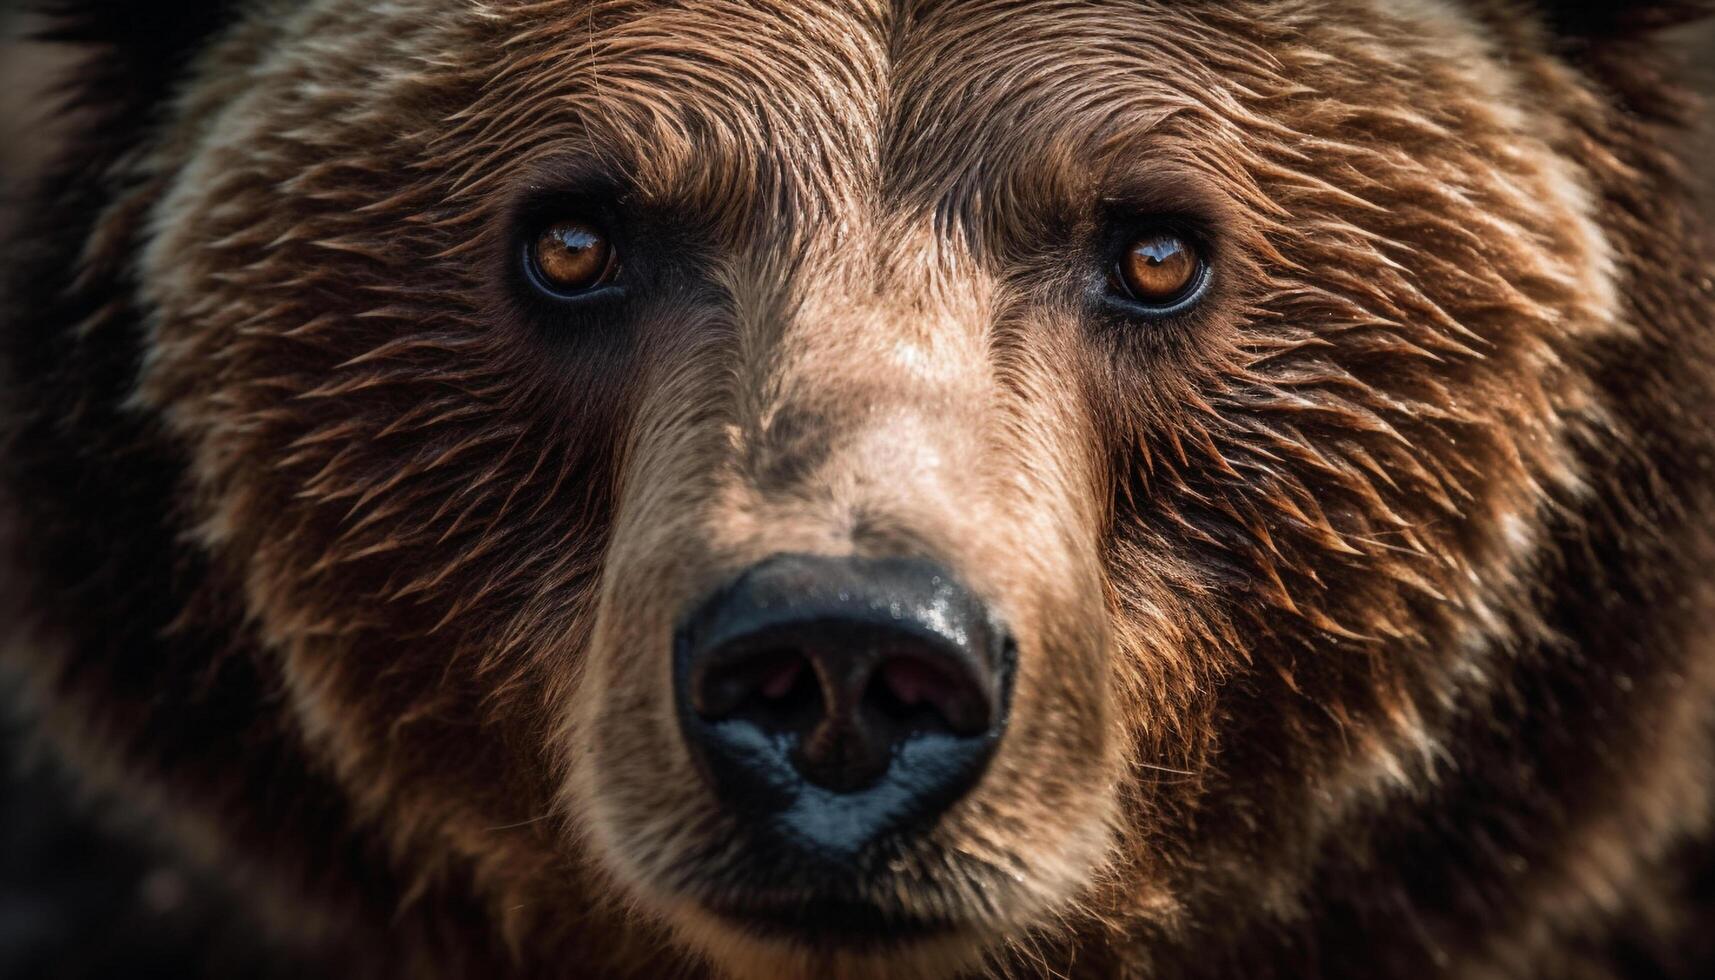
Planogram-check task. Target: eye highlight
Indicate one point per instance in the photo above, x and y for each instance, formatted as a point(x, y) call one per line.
point(571, 257)
point(1160, 271)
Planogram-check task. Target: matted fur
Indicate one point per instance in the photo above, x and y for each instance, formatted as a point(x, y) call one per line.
point(1364, 618)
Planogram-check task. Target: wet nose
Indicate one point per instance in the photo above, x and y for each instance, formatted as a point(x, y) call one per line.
point(848, 696)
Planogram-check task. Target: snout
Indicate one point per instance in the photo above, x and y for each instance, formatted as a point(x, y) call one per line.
point(840, 699)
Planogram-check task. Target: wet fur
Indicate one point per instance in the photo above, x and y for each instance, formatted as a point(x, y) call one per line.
point(1365, 623)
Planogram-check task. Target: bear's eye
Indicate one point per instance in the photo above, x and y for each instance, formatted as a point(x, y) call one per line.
point(570, 257)
point(1160, 270)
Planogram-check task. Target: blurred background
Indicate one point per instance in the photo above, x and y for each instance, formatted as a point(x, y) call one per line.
point(80, 897)
point(84, 895)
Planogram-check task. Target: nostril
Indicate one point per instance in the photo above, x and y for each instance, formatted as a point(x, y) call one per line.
point(780, 677)
point(781, 686)
point(762, 682)
point(909, 685)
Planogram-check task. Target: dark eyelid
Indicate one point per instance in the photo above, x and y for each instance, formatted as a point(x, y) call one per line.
point(566, 185)
point(1141, 193)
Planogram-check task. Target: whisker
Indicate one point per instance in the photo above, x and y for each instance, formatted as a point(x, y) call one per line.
point(521, 823)
point(1176, 772)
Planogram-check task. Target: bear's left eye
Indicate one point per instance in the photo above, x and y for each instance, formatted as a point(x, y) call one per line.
point(1160, 271)
point(571, 257)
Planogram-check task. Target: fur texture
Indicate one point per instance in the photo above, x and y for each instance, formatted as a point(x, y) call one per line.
point(1364, 617)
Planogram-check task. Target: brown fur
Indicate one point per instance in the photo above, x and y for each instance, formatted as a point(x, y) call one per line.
point(1363, 614)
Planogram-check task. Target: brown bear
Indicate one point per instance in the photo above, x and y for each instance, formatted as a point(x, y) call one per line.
point(855, 488)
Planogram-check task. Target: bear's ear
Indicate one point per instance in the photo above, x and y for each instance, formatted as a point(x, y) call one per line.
point(1631, 48)
point(1597, 21)
point(128, 57)
point(127, 23)
point(138, 48)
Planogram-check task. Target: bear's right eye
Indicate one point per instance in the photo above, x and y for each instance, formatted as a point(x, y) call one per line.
point(1158, 271)
point(571, 257)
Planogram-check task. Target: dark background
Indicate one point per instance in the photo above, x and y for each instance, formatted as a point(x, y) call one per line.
point(84, 893)
point(81, 895)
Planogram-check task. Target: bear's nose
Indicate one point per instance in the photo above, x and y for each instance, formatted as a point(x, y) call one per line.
point(812, 683)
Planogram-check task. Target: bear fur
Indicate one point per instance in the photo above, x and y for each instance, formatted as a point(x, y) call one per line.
point(1365, 619)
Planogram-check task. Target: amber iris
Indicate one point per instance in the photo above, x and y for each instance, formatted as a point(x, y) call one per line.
point(1159, 269)
point(573, 257)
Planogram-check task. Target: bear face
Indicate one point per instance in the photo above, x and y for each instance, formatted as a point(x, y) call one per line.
point(1236, 362)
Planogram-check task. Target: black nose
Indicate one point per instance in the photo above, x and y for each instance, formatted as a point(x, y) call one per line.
point(846, 696)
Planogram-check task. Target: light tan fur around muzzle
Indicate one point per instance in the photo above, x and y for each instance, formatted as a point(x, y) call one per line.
point(868, 410)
